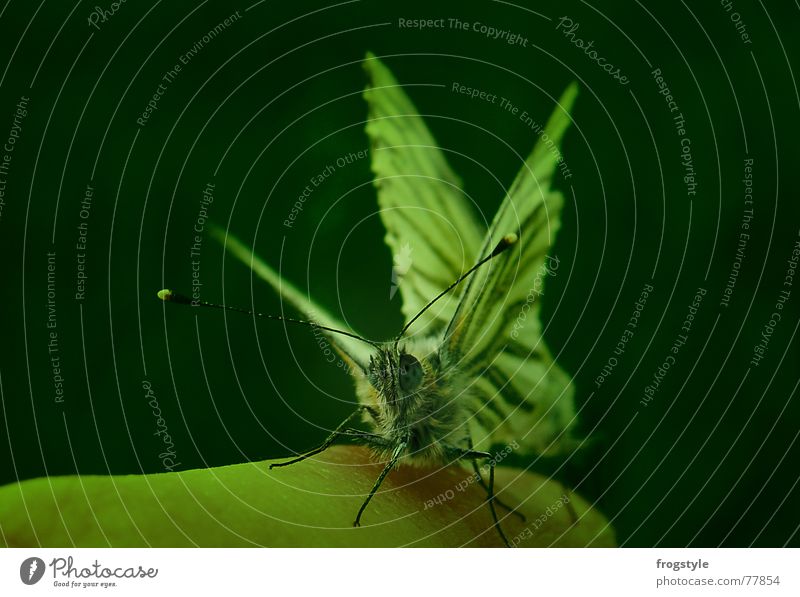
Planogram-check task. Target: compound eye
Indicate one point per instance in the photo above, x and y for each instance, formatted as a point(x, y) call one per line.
point(410, 373)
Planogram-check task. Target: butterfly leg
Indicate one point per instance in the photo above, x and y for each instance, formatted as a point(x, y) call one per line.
point(497, 501)
point(396, 453)
point(474, 455)
point(483, 484)
point(370, 439)
point(326, 444)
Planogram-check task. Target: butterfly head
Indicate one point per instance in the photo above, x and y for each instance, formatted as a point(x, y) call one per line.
point(395, 375)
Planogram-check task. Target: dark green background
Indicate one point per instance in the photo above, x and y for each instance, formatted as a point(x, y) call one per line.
point(281, 89)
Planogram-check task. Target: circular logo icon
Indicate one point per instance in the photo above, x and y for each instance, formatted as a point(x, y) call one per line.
point(31, 571)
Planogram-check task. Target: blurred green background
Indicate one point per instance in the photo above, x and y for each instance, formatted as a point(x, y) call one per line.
point(274, 98)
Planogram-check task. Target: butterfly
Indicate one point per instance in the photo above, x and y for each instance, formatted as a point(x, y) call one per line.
point(470, 369)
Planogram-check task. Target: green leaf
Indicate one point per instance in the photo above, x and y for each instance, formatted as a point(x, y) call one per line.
point(312, 504)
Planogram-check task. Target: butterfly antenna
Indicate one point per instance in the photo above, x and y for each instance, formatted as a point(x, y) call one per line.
point(168, 296)
point(507, 241)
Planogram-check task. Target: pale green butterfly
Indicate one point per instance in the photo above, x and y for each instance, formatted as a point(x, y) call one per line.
point(475, 372)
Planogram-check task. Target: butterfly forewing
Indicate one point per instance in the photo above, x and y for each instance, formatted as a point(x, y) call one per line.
point(431, 228)
point(354, 351)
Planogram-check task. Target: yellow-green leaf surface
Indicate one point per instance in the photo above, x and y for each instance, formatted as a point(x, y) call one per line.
point(309, 504)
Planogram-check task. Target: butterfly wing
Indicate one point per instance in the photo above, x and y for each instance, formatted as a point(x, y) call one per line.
point(431, 228)
point(354, 351)
point(518, 392)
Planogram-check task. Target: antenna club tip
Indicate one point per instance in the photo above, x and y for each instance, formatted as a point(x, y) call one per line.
point(169, 296)
point(505, 242)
